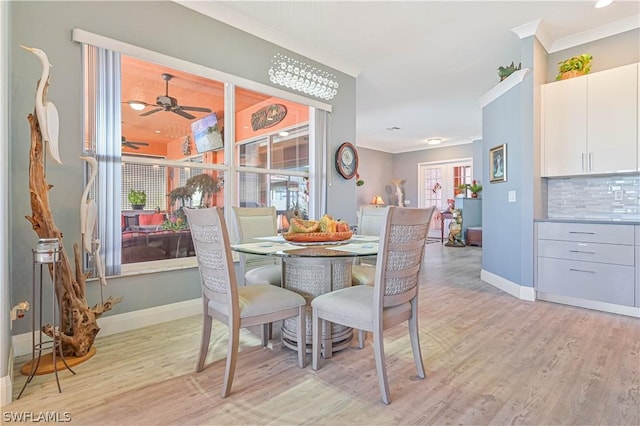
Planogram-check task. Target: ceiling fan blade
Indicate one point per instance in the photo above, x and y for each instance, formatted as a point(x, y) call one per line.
point(190, 108)
point(130, 145)
point(153, 111)
point(181, 113)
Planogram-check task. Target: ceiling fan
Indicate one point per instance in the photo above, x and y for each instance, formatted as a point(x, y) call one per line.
point(132, 144)
point(167, 103)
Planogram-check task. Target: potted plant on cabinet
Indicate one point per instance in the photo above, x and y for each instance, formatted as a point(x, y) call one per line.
point(504, 72)
point(574, 67)
point(138, 199)
point(475, 189)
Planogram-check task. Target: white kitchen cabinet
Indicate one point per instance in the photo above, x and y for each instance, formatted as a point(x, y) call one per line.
point(564, 129)
point(592, 265)
point(590, 123)
point(612, 120)
point(638, 266)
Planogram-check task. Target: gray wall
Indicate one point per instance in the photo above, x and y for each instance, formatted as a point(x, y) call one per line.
point(188, 36)
point(514, 119)
point(376, 171)
point(405, 165)
point(501, 221)
point(610, 52)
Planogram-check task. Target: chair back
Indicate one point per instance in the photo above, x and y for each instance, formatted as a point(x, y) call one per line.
point(215, 263)
point(371, 220)
point(252, 222)
point(400, 256)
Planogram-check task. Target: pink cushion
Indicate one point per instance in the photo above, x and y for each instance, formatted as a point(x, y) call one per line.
point(157, 219)
point(145, 219)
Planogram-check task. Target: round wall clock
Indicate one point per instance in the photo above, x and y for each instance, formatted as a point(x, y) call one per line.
point(347, 160)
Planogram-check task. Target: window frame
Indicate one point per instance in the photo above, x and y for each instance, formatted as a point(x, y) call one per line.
point(229, 168)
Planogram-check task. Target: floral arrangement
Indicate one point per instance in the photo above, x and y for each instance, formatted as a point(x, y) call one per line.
point(176, 222)
point(474, 187)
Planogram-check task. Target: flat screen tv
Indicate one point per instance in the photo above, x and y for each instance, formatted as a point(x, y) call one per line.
point(207, 134)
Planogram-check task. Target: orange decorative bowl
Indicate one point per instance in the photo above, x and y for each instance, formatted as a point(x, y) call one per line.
point(317, 237)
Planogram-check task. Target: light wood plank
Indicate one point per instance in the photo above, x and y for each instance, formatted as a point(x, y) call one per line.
point(490, 359)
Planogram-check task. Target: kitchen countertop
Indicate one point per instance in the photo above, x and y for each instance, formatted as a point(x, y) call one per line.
point(592, 221)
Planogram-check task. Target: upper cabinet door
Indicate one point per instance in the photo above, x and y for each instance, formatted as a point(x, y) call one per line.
point(564, 131)
point(612, 120)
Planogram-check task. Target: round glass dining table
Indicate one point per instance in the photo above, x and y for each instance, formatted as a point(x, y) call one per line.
point(312, 269)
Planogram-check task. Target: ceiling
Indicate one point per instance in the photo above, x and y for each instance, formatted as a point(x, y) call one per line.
point(142, 81)
point(421, 66)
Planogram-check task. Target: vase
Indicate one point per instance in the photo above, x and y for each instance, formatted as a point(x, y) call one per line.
point(474, 195)
point(571, 74)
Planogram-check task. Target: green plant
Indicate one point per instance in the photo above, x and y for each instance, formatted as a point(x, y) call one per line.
point(576, 63)
point(177, 221)
point(204, 183)
point(137, 197)
point(182, 193)
point(504, 72)
point(475, 187)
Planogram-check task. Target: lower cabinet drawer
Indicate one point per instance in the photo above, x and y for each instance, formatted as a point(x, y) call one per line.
point(588, 252)
point(587, 280)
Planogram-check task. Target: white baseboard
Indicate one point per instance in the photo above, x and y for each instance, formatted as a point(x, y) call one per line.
point(590, 304)
point(6, 382)
point(128, 321)
point(6, 390)
point(516, 290)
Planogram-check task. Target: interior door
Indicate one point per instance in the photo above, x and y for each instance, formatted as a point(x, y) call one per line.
point(438, 183)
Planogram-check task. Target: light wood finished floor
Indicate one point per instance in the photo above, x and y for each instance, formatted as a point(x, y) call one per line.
point(491, 359)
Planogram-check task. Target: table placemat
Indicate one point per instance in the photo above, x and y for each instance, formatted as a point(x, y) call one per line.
point(263, 248)
point(369, 248)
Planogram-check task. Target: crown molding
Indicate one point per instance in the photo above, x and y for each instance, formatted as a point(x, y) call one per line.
point(536, 28)
point(503, 87)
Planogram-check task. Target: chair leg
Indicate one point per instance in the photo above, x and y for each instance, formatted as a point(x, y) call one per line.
point(265, 334)
point(315, 343)
point(302, 336)
point(362, 336)
point(327, 342)
point(204, 341)
point(414, 336)
point(232, 357)
point(378, 352)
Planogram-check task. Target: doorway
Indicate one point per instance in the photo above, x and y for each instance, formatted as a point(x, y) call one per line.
point(438, 184)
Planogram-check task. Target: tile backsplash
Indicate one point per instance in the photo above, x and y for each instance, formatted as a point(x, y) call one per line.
point(595, 198)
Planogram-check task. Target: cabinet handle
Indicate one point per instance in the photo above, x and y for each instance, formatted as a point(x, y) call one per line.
point(590, 161)
point(582, 251)
point(582, 232)
point(582, 163)
point(582, 270)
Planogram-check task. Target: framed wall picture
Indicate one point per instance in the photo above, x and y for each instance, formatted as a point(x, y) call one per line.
point(498, 164)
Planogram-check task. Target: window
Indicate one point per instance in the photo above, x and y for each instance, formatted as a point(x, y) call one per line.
point(177, 151)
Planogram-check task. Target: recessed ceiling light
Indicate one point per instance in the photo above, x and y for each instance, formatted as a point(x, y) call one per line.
point(157, 131)
point(602, 3)
point(283, 133)
point(138, 106)
point(434, 141)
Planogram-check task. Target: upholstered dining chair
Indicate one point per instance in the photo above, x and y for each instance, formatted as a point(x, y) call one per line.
point(370, 221)
point(237, 307)
point(392, 299)
point(252, 222)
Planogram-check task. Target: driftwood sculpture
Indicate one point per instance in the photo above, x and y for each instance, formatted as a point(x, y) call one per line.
point(78, 325)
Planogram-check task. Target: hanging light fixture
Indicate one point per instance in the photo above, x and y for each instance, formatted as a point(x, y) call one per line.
point(298, 75)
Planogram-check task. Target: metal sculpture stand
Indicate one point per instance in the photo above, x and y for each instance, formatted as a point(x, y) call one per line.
point(55, 344)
